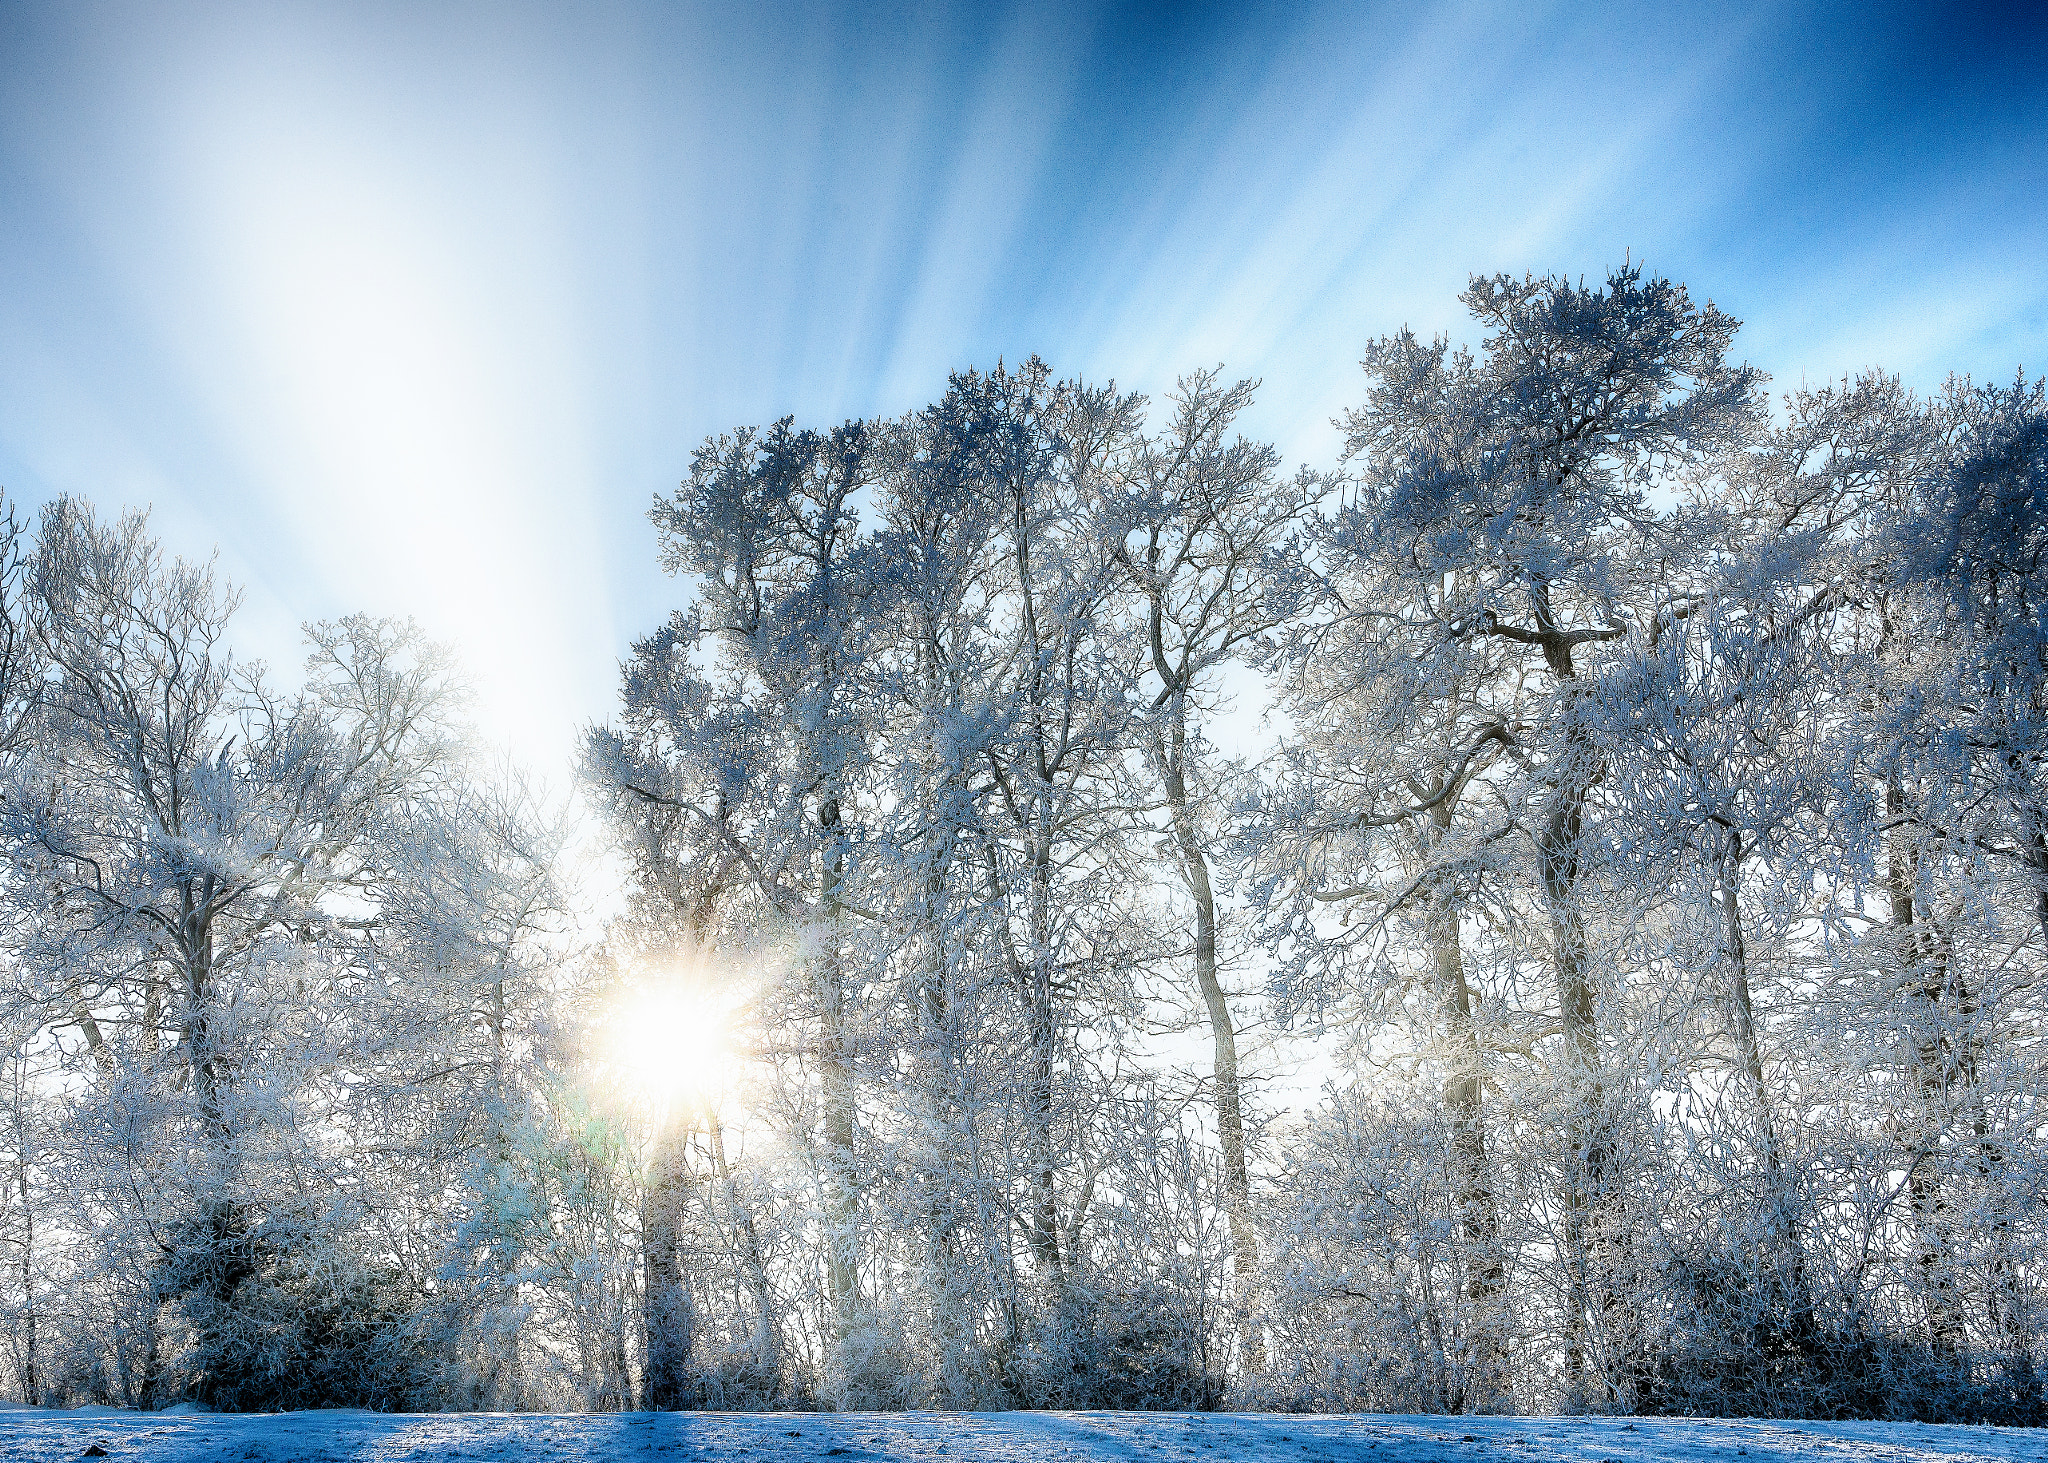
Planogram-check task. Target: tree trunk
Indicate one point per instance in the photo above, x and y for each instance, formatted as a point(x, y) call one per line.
point(1490, 1388)
point(222, 1232)
point(503, 1380)
point(753, 1266)
point(2037, 863)
point(1590, 1296)
point(2005, 1294)
point(1925, 975)
point(1237, 1189)
point(31, 1376)
point(151, 1382)
point(839, 1093)
point(1783, 1204)
point(208, 1065)
point(939, 1053)
point(667, 1312)
point(1043, 1032)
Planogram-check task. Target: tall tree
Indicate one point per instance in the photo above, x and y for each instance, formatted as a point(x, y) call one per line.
point(1386, 808)
point(1196, 524)
point(203, 848)
point(1972, 558)
point(763, 752)
point(1038, 453)
point(1521, 479)
point(940, 576)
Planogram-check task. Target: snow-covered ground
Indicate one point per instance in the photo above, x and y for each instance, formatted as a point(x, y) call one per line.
point(995, 1437)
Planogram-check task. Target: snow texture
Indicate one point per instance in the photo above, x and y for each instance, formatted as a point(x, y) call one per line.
point(991, 1437)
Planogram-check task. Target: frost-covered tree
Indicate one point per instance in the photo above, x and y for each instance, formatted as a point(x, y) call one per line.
point(1015, 738)
point(200, 849)
point(755, 762)
point(1505, 518)
point(250, 934)
point(1962, 753)
point(1198, 526)
point(1653, 857)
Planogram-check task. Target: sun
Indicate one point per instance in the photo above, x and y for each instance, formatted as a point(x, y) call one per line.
point(670, 1045)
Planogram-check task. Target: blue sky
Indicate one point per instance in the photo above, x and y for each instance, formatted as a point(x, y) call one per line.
point(412, 308)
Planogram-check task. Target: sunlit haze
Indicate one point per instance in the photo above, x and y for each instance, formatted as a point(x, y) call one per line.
point(412, 308)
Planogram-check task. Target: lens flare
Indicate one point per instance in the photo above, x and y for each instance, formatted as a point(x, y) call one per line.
point(671, 1046)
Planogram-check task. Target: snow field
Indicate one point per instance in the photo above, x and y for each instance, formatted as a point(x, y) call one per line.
point(997, 1437)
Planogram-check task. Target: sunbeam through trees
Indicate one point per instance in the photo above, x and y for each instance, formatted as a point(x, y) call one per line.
point(1548, 911)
